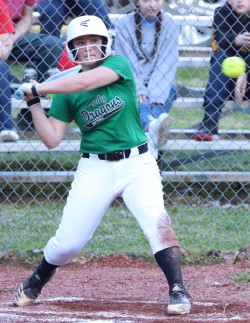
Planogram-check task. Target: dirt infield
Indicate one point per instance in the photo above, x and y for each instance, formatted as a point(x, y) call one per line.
point(121, 289)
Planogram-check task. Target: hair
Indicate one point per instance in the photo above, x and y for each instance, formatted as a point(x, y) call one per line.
point(139, 34)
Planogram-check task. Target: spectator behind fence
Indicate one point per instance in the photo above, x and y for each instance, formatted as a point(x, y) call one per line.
point(53, 13)
point(231, 38)
point(7, 133)
point(149, 39)
point(43, 51)
point(242, 88)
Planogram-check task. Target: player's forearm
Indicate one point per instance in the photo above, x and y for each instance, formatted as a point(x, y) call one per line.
point(61, 86)
point(86, 81)
point(44, 128)
point(24, 24)
point(22, 28)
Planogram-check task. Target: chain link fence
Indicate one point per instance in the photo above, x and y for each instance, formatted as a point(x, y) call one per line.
point(206, 184)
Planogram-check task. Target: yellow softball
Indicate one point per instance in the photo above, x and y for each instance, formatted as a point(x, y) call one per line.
point(233, 66)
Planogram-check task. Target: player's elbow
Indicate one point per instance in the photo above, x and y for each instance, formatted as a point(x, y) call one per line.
point(51, 143)
point(50, 146)
point(51, 136)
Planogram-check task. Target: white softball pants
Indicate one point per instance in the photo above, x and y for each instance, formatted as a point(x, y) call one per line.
point(96, 184)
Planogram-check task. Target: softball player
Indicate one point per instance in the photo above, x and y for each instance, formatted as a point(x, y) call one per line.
point(115, 161)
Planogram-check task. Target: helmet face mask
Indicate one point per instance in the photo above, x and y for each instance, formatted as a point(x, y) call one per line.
point(86, 26)
point(89, 53)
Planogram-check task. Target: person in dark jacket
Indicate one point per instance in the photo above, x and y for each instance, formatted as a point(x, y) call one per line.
point(231, 37)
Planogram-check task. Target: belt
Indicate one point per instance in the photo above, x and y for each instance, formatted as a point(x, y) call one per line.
point(121, 154)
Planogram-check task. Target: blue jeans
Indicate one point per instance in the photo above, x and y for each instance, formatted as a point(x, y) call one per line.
point(44, 51)
point(54, 12)
point(147, 112)
point(219, 89)
point(5, 98)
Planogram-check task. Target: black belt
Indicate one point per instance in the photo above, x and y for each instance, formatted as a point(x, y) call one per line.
point(121, 154)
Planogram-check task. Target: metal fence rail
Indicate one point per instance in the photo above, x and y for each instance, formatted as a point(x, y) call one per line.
point(167, 176)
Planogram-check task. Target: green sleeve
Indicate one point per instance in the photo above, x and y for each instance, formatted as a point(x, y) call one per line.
point(60, 108)
point(120, 65)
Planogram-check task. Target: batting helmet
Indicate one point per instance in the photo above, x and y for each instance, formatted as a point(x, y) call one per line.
point(87, 25)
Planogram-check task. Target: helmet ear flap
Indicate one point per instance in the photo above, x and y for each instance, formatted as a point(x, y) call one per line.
point(104, 47)
point(71, 51)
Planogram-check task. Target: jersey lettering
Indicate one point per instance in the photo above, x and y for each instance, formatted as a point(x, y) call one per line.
point(92, 118)
point(98, 100)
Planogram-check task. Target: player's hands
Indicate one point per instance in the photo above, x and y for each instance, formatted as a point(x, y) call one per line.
point(29, 89)
point(240, 88)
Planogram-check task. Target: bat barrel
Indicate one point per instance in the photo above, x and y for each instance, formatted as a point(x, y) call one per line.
point(19, 94)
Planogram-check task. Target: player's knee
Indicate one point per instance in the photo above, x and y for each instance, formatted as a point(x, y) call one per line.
point(162, 234)
point(65, 249)
point(71, 248)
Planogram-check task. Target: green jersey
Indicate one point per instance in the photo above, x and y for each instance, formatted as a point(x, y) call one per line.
point(108, 117)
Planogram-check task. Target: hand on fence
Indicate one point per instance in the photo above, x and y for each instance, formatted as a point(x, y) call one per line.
point(5, 49)
point(240, 88)
point(243, 40)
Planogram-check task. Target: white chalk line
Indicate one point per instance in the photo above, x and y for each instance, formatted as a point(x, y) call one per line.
point(80, 299)
point(18, 313)
point(22, 318)
point(60, 316)
point(77, 316)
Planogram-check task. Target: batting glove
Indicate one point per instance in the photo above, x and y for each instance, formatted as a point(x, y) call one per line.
point(29, 89)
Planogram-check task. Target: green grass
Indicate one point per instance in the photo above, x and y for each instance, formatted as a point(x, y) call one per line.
point(183, 118)
point(245, 276)
point(45, 161)
point(17, 69)
point(237, 120)
point(199, 229)
point(41, 161)
point(192, 76)
point(231, 161)
point(58, 161)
